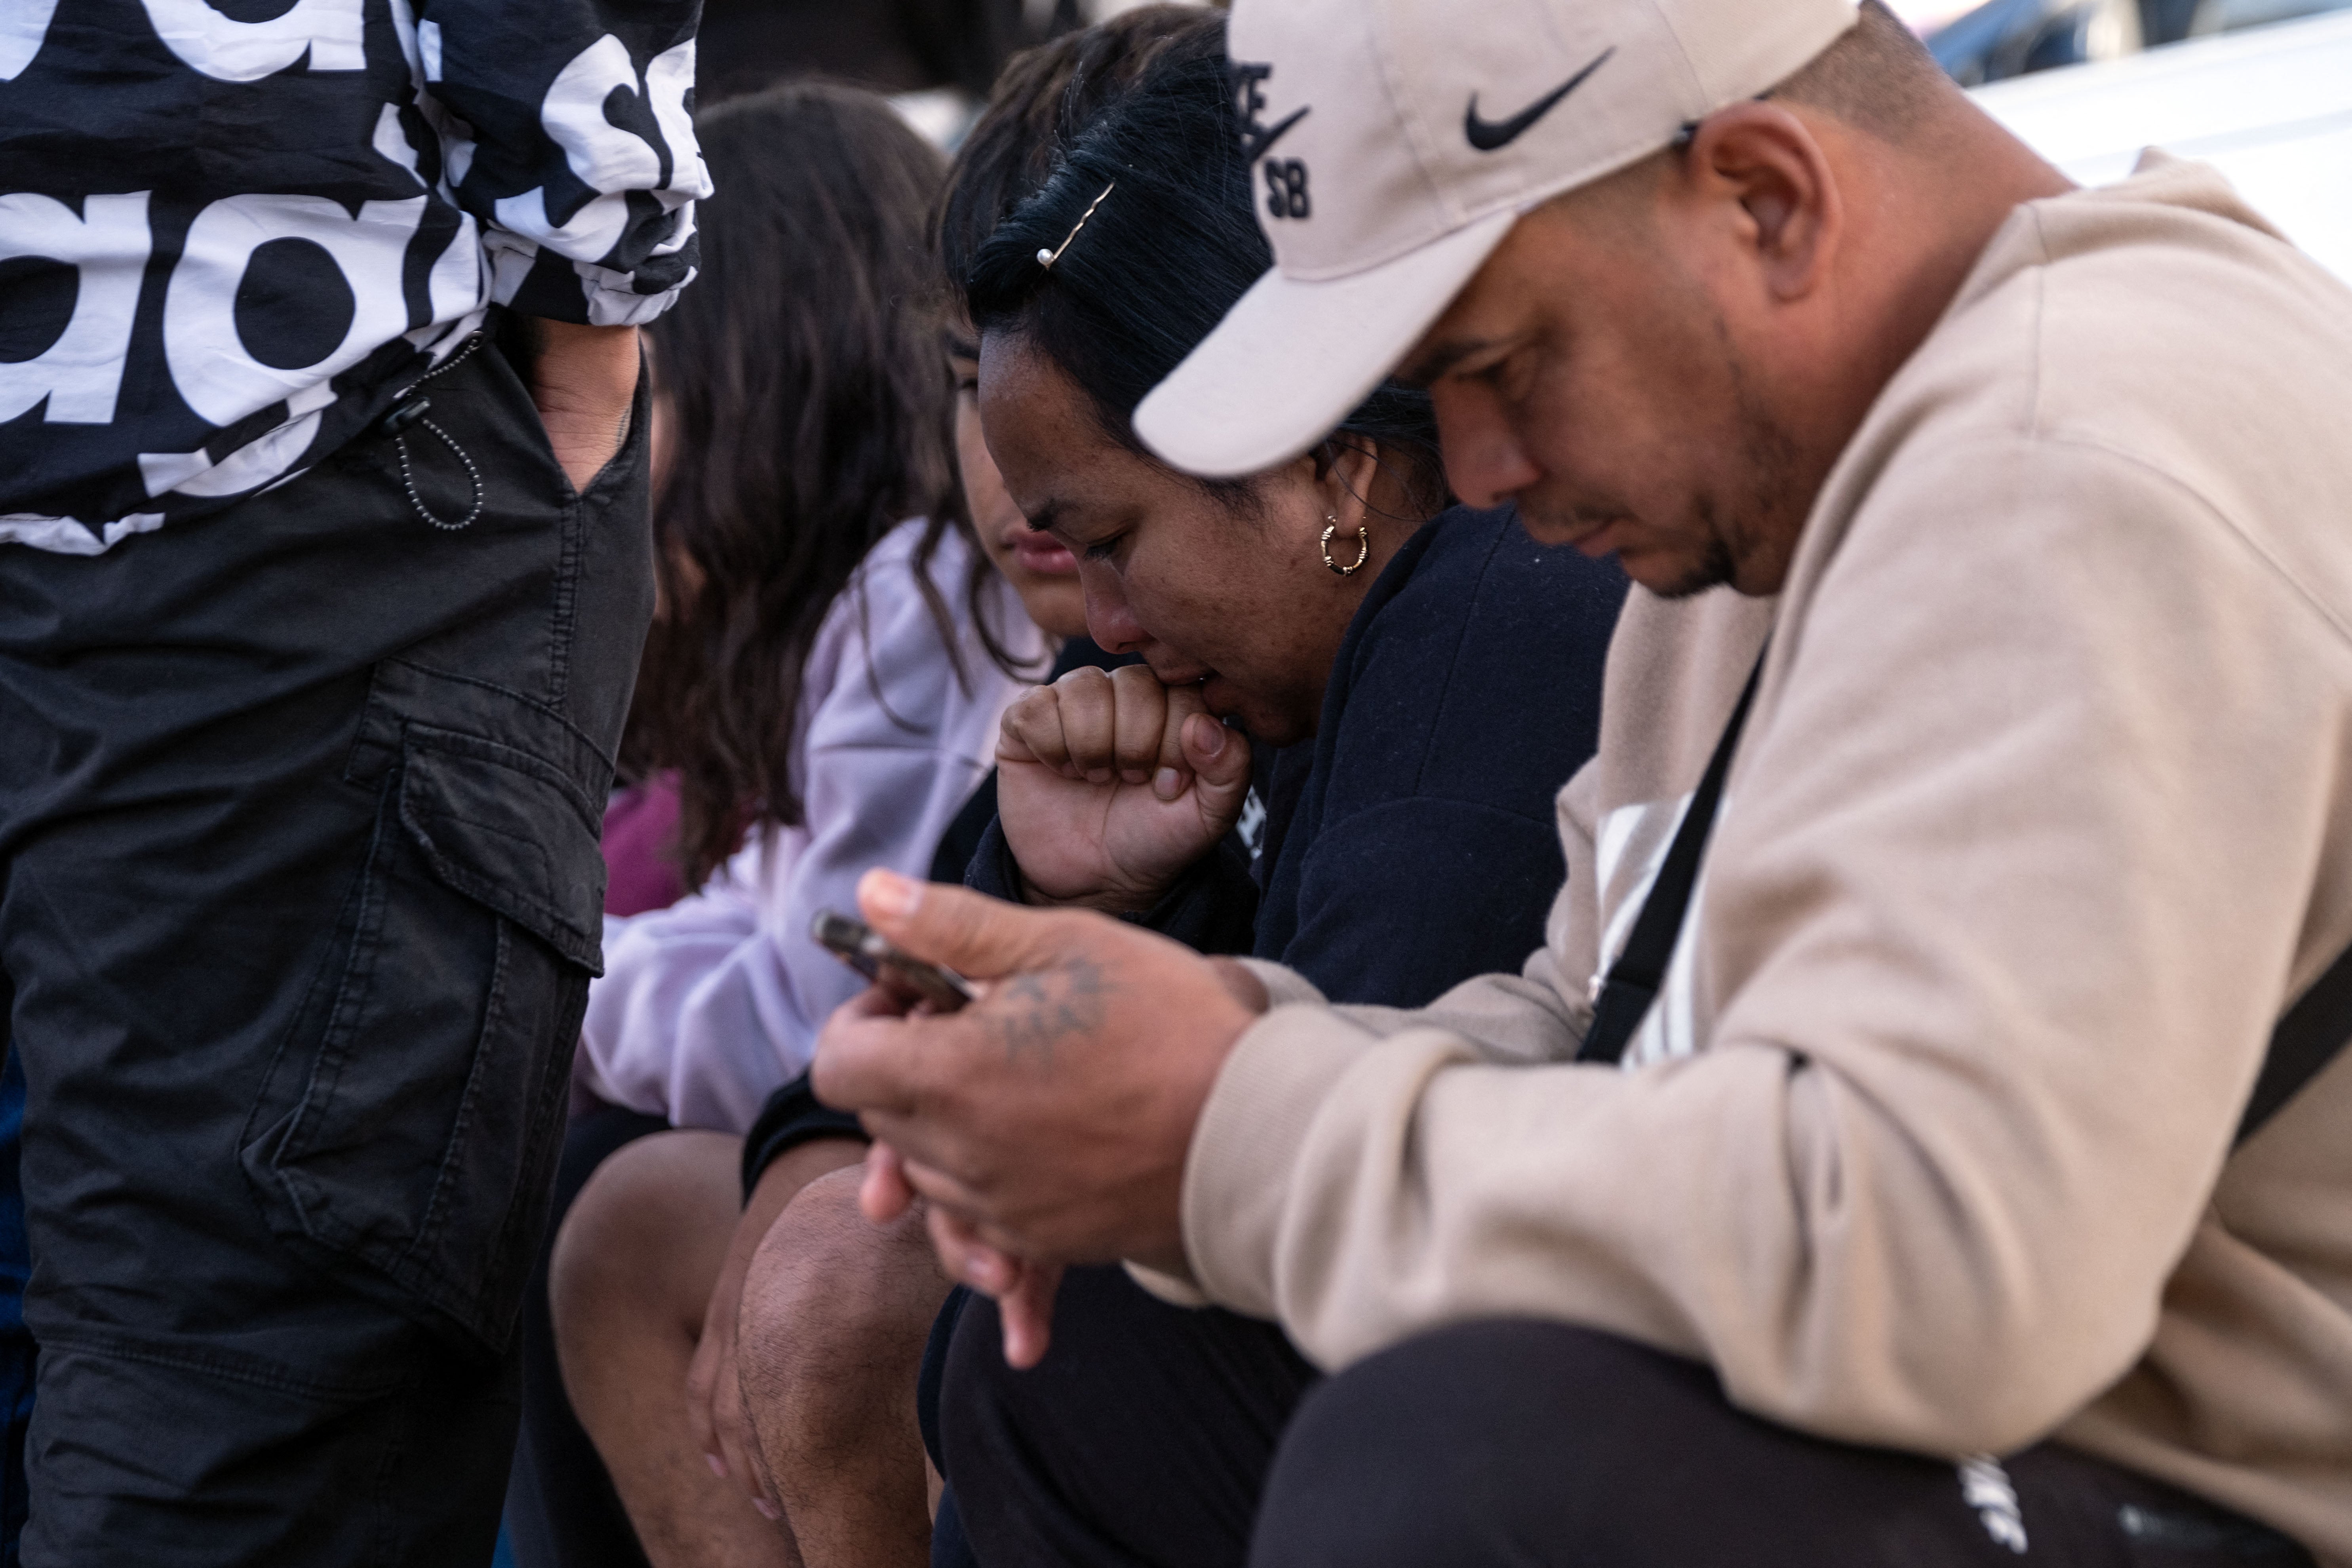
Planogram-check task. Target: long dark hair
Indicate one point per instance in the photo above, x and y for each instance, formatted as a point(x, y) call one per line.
point(1161, 260)
point(813, 413)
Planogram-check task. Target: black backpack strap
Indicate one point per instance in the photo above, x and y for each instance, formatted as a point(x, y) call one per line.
point(2307, 1038)
point(1640, 969)
point(2313, 1030)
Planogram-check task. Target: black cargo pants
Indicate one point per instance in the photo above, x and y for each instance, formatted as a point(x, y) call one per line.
point(300, 897)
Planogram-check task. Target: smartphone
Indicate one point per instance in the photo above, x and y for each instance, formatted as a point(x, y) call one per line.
point(862, 948)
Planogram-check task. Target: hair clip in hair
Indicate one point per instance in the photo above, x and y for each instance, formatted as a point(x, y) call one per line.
point(1046, 258)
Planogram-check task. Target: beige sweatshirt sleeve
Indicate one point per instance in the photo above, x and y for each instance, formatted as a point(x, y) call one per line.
point(1978, 1005)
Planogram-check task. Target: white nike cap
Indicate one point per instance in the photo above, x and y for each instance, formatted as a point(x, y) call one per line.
point(1393, 144)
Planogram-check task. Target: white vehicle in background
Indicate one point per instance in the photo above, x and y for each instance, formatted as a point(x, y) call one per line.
point(1982, 41)
point(2270, 106)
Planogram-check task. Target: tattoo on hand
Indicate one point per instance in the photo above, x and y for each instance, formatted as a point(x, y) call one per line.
point(1040, 1009)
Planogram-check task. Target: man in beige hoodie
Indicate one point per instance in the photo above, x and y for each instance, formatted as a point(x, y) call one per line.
point(1928, 1143)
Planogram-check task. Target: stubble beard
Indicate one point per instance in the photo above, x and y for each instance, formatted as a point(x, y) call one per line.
point(1738, 538)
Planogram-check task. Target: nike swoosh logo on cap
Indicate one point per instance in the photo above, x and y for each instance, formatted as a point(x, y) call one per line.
point(1494, 135)
point(1255, 142)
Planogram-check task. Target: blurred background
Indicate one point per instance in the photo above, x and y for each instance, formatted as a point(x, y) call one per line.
point(1979, 44)
point(933, 59)
point(2261, 88)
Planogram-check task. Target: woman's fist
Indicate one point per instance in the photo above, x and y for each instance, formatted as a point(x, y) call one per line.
point(1109, 785)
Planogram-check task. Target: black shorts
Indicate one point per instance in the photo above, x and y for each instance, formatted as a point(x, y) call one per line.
point(299, 898)
point(1152, 1434)
point(1515, 1442)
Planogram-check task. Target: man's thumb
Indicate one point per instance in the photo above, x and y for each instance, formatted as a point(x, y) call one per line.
point(979, 937)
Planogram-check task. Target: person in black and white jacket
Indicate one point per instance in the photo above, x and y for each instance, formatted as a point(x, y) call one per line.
point(324, 566)
point(233, 243)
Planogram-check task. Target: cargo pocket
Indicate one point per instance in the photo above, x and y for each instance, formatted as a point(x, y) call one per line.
point(407, 1131)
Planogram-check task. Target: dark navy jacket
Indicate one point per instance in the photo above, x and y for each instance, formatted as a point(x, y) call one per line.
point(1423, 849)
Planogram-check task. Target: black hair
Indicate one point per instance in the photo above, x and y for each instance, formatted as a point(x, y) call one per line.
point(1046, 100)
point(813, 414)
point(1162, 259)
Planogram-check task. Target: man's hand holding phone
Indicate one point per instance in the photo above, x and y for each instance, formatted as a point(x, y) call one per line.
point(1046, 1122)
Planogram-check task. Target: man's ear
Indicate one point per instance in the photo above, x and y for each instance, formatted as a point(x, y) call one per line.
point(1767, 161)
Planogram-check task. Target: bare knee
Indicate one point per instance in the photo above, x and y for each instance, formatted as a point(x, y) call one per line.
point(643, 1242)
point(836, 1311)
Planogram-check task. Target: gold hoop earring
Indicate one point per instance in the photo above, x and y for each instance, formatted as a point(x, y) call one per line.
point(1363, 547)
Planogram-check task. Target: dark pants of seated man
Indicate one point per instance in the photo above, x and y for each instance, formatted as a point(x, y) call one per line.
point(300, 894)
point(1504, 1443)
point(1142, 1438)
